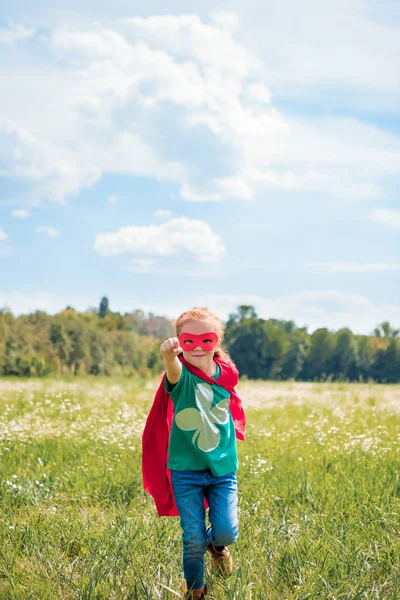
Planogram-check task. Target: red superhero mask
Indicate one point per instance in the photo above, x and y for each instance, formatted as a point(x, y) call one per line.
point(190, 341)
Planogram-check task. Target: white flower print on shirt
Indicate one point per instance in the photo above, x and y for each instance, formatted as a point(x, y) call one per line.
point(204, 419)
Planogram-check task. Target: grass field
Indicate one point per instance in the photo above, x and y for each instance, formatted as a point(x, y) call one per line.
point(318, 479)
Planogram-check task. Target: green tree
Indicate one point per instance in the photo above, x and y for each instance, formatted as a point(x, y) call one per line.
point(318, 362)
point(387, 365)
point(248, 349)
point(103, 308)
point(256, 346)
point(101, 356)
point(368, 348)
point(296, 355)
point(83, 342)
point(18, 349)
point(79, 347)
point(6, 325)
point(62, 343)
point(345, 362)
point(386, 330)
point(277, 341)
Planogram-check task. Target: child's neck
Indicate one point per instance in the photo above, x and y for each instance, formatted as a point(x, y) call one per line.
point(212, 368)
point(209, 367)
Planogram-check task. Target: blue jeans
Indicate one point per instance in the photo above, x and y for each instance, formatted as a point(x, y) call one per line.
point(190, 489)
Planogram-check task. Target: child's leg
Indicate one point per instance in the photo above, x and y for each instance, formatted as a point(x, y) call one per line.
point(189, 496)
point(222, 498)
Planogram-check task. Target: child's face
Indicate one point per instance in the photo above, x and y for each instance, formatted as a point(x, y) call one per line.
point(199, 357)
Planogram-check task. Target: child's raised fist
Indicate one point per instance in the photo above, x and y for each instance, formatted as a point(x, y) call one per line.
point(170, 348)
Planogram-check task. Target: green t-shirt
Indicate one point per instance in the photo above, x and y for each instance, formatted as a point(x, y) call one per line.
point(203, 434)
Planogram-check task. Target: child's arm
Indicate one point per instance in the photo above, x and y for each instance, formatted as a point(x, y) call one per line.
point(170, 350)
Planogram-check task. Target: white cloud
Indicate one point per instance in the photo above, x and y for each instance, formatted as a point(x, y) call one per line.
point(141, 265)
point(236, 187)
point(145, 266)
point(45, 145)
point(25, 303)
point(162, 214)
point(3, 234)
point(337, 46)
point(189, 192)
point(331, 309)
point(112, 199)
point(15, 33)
point(259, 92)
point(20, 213)
point(341, 156)
point(170, 271)
point(387, 216)
point(98, 43)
point(336, 142)
point(226, 20)
point(195, 238)
point(93, 114)
point(210, 45)
point(51, 169)
point(50, 231)
point(126, 153)
point(352, 267)
point(21, 303)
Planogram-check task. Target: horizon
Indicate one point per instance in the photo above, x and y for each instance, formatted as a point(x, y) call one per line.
point(95, 309)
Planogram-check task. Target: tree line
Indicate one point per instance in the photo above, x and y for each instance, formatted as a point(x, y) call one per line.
point(102, 342)
point(96, 342)
point(275, 349)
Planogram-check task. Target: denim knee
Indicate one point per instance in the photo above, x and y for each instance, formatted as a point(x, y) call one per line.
point(225, 536)
point(194, 543)
point(193, 548)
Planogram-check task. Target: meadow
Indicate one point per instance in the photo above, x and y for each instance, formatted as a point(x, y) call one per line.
point(318, 479)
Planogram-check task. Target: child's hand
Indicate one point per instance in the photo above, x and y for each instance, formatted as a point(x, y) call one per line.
point(170, 348)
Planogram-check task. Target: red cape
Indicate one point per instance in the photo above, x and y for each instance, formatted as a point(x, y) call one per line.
point(155, 440)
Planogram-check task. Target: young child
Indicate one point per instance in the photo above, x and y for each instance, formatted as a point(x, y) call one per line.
point(189, 444)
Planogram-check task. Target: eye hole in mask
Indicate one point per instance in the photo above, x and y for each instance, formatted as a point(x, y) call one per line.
point(206, 341)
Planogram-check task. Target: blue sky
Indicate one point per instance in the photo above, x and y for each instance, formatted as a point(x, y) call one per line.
point(202, 155)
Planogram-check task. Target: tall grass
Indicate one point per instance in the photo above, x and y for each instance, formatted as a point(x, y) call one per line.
point(319, 494)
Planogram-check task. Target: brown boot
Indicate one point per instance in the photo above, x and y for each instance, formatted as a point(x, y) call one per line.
point(199, 594)
point(221, 560)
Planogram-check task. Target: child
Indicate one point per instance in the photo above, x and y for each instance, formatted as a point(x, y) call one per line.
point(195, 434)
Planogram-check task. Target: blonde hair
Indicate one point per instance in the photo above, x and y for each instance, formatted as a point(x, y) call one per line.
point(198, 314)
